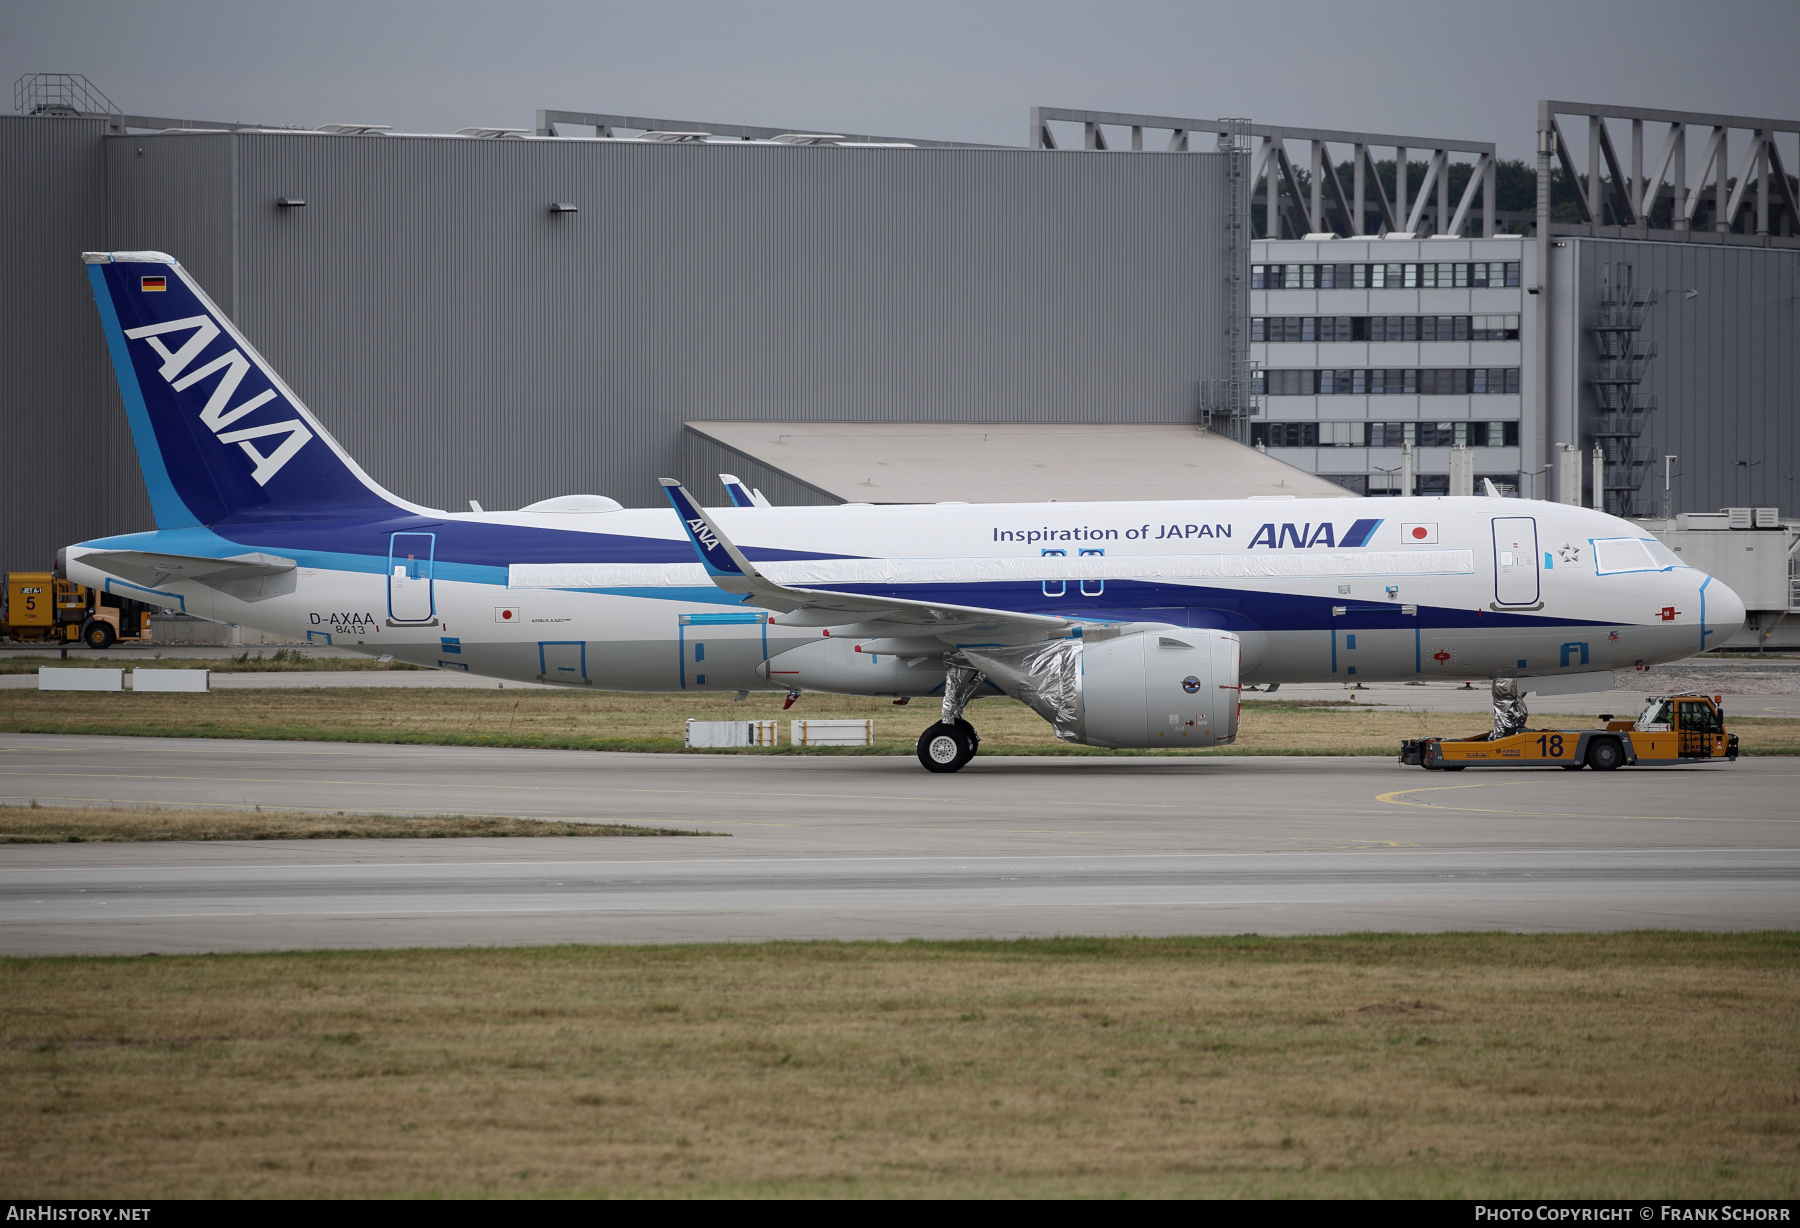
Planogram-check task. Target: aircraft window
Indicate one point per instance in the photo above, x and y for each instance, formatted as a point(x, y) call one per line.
point(1662, 555)
point(1616, 554)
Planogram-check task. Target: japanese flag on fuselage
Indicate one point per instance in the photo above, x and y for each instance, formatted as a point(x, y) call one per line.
point(1419, 534)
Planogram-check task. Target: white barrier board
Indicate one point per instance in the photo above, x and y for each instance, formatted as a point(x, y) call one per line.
point(63, 678)
point(169, 680)
point(731, 733)
point(831, 733)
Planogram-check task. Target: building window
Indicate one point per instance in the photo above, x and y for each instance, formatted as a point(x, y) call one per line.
point(1442, 434)
point(1285, 434)
point(1382, 276)
point(1385, 328)
point(1388, 381)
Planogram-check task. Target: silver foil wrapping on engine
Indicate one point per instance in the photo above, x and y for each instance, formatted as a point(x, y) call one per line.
point(1509, 708)
point(1046, 676)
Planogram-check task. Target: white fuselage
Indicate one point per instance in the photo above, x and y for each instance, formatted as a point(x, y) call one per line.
point(1439, 588)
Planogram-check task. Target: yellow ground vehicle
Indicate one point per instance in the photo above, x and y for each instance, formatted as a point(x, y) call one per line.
point(1671, 729)
point(41, 608)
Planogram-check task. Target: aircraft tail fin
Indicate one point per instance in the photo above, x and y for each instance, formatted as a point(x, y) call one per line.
point(218, 433)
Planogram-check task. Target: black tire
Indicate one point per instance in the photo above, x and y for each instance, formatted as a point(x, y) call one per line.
point(947, 748)
point(1454, 767)
point(1570, 767)
point(99, 634)
point(1605, 754)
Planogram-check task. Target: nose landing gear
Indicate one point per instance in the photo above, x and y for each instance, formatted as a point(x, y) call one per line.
point(952, 742)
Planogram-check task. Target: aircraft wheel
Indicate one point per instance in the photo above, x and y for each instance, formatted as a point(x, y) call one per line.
point(98, 634)
point(1604, 754)
point(946, 748)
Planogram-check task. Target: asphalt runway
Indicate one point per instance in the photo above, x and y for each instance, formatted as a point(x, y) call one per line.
point(847, 847)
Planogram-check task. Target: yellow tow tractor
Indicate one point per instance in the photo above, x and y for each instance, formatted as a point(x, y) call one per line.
point(40, 608)
point(1671, 729)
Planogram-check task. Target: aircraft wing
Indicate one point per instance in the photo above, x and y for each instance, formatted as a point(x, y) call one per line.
point(155, 570)
point(727, 567)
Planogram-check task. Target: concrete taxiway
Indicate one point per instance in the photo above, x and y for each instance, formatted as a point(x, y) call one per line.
point(876, 848)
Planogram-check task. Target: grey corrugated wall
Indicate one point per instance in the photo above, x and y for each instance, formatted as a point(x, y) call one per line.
point(463, 342)
point(703, 459)
point(60, 441)
point(1727, 371)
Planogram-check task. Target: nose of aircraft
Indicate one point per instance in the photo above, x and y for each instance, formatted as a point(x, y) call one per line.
point(1724, 616)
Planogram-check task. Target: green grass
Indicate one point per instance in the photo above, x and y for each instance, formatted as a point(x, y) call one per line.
point(1637, 1065)
point(35, 824)
point(621, 721)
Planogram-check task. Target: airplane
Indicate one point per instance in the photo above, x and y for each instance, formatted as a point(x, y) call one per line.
point(1122, 624)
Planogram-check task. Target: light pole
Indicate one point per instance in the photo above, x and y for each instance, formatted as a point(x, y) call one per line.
point(1668, 499)
point(1389, 474)
point(1532, 474)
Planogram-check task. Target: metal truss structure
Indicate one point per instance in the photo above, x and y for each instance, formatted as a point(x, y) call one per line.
point(73, 95)
point(1318, 204)
point(1658, 198)
point(606, 124)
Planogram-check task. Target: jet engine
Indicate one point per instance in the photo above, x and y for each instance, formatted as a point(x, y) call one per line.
point(1174, 687)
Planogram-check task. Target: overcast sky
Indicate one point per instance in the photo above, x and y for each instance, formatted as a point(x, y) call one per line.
point(962, 70)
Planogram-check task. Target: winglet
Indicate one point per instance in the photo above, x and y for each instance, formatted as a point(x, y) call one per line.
point(734, 486)
point(717, 554)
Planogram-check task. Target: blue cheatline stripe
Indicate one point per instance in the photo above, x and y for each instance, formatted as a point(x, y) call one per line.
point(1703, 631)
point(111, 581)
point(165, 504)
point(713, 620)
point(1359, 533)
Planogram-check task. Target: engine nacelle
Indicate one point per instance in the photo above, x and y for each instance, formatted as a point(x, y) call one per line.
point(836, 665)
point(1175, 687)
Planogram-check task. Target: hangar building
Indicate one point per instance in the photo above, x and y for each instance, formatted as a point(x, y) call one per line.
point(506, 317)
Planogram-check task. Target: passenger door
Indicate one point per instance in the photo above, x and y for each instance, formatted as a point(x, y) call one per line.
point(1516, 562)
point(411, 599)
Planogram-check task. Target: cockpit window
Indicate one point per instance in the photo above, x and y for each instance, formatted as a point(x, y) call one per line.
point(1615, 554)
point(1662, 555)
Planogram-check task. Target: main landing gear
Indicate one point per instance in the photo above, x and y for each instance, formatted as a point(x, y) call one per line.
point(952, 742)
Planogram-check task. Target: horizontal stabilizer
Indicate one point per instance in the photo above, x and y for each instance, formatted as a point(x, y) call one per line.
point(155, 570)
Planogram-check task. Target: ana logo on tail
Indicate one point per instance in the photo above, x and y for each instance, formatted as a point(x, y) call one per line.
point(219, 413)
point(703, 533)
